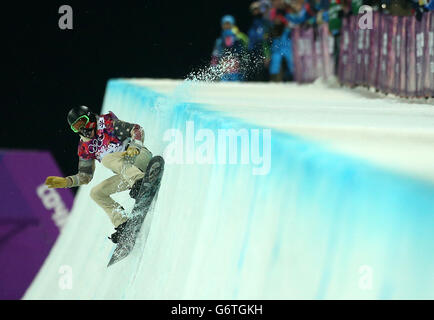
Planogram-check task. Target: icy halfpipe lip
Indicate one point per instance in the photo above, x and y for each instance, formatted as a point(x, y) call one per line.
point(394, 136)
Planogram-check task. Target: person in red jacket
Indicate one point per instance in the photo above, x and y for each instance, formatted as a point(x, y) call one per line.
point(118, 145)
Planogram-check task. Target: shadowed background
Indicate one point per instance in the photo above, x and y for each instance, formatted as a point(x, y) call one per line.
point(50, 70)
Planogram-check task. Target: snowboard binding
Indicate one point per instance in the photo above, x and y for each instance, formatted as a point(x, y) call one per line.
point(155, 166)
point(115, 237)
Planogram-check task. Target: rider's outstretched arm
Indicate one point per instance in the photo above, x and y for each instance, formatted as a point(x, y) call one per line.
point(86, 168)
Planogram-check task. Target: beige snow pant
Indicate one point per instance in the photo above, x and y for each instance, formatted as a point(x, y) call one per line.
point(125, 176)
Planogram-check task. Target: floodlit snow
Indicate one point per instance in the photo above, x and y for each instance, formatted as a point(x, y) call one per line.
point(345, 211)
point(391, 132)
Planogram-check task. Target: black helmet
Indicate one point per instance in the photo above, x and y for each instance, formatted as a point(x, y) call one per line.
point(82, 112)
point(77, 112)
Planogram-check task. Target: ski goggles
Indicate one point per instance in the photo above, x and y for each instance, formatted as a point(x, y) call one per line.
point(79, 124)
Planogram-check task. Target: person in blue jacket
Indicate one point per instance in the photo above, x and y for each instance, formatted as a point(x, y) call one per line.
point(227, 53)
point(259, 43)
point(420, 7)
point(281, 51)
point(281, 61)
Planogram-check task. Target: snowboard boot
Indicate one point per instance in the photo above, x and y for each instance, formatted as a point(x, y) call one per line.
point(117, 234)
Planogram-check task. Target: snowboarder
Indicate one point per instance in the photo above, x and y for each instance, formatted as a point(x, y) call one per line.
point(118, 145)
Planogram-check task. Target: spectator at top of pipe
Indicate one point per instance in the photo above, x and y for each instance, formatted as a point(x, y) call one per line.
point(227, 22)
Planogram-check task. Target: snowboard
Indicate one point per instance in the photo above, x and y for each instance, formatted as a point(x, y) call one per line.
point(144, 198)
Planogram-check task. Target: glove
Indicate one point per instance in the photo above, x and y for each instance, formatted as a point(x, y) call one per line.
point(56, 182)
point(131, 152)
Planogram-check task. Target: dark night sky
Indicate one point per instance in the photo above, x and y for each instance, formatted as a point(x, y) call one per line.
point(48, 71)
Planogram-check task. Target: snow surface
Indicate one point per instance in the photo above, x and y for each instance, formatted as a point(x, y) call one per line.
point(393, 133)
point(346, 210)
